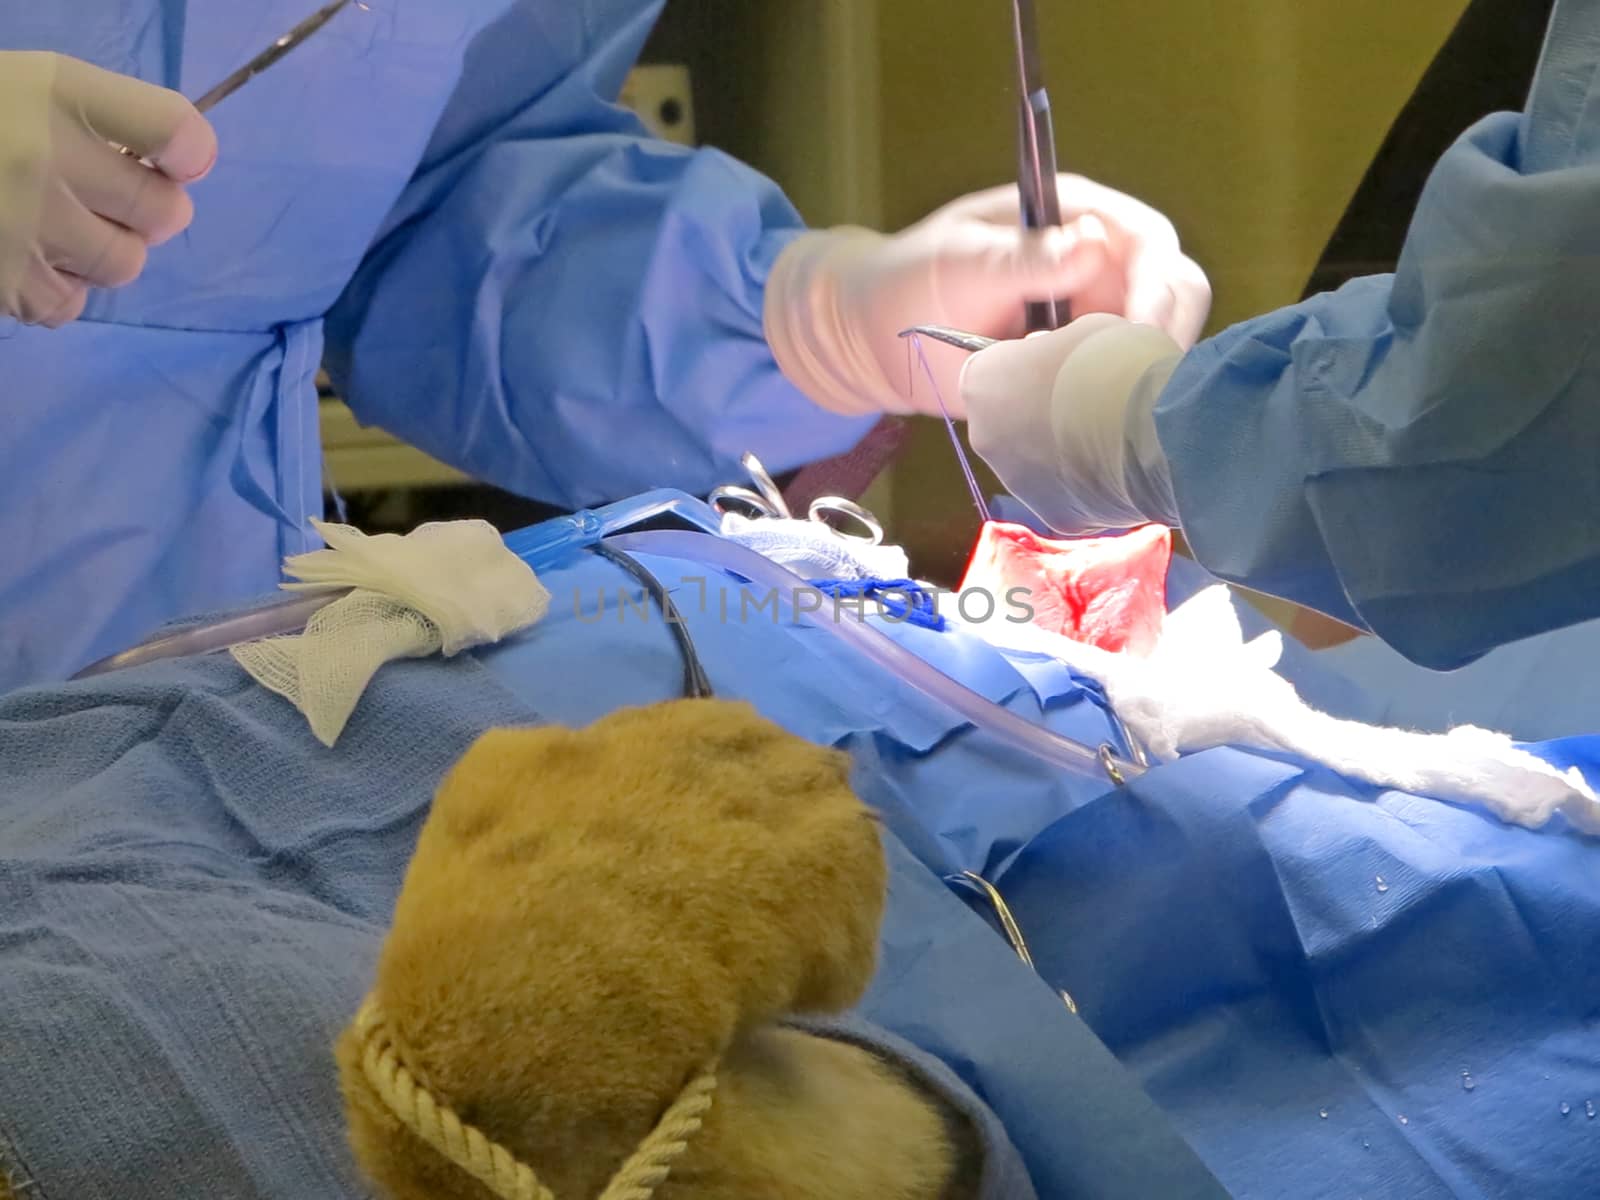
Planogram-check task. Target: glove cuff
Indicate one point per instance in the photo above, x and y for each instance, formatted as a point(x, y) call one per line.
point(816, 346)
point(1103, 420)
point(1147, 473)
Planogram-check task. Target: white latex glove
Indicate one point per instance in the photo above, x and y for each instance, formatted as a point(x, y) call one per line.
point(76, 213)
point(837, 300)
point(1066, 419)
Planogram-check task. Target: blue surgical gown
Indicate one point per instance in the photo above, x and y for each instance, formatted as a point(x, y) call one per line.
point(1419, 454)
point(501, 266)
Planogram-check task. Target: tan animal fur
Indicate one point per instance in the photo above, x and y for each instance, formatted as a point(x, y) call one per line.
point(592, 915)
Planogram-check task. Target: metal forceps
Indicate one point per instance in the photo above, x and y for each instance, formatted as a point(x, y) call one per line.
point(1036, 169)
point(766, 501)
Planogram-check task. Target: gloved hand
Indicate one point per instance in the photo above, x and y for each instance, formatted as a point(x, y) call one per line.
point(837, 300)
point(76, 213)
point(1067, 421)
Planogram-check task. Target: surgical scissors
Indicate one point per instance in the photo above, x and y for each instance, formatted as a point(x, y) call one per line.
point(1036, 170)
point(767, 502)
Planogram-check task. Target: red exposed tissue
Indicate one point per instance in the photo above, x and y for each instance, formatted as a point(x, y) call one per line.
point(1109, 592)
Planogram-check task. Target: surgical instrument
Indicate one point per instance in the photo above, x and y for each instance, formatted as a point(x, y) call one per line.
point(272, 54)
point(958, 338)
point(1008, 923)
point(290, 41)
point(1036, 172)
point(767, 502)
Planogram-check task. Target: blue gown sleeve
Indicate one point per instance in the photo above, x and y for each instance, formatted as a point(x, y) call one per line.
point(1419, 454)
point(564, 306)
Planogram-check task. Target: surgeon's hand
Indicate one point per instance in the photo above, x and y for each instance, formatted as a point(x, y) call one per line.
point(76, 213)
point(837, 300)
point(1066, 419)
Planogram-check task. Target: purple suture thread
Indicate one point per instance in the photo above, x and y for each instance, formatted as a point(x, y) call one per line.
point(915, 341)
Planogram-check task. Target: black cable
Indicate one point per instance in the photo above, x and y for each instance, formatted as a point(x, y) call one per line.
point(695, 683)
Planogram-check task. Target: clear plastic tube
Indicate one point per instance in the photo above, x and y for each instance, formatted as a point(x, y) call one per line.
point(271, 620)
point(983, 713)
point(543, 544)
point(538, 545)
